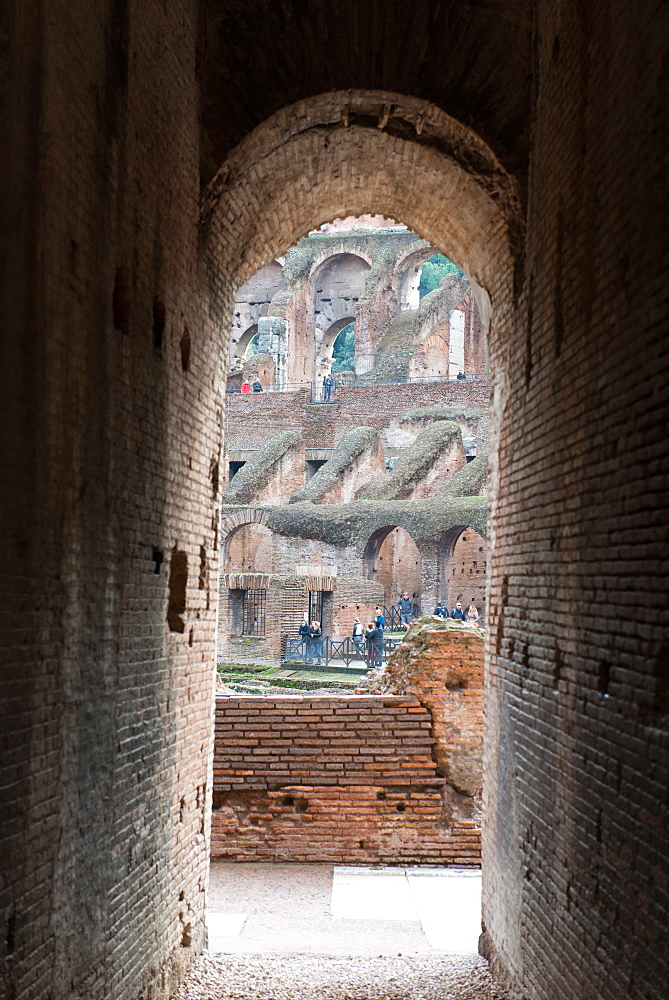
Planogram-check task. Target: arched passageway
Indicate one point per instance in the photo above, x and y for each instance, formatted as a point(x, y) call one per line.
point(392, 559)
point(248, 549)
point(114, 442)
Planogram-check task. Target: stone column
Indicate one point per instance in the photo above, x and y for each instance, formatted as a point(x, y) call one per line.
point(273, 340)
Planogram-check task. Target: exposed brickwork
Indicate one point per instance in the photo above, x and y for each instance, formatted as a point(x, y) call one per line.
point(441, 663)
point(115, 306)
point(322, 425)
point(342, 780)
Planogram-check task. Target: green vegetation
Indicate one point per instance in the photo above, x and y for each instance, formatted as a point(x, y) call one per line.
point(434, 269)
point(343, 350)
point(253, 347)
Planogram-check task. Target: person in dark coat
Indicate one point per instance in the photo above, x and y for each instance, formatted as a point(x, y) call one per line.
point(303, 632)
point(458, 612)
point(327, 388)
point(315, 643)
point(257, 385)
point(374, 637)
point(441, 611)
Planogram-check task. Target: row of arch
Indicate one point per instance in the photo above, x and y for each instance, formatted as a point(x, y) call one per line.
point(452, 568)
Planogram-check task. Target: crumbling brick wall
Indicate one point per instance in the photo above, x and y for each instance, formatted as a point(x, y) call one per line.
point(342, 780)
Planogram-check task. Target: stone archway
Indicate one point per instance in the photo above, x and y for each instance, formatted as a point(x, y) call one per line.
point(392, 558)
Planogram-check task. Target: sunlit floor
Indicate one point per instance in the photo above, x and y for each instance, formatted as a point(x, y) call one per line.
point(286, 909)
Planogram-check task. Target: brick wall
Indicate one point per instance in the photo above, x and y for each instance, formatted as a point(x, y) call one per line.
point(342, 780)
point(323, 424)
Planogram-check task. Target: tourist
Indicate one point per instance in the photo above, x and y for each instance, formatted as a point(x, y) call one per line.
point(461, 375)
point(257, 385)
point(246, 387)
point(458, 612)
point(357, 635)
point(472, 613)
point(327, 388)
point(374, 637)
point(380, 619)
point(441, 611)
point(405, 604)
point(303, 632)
point(315, 643)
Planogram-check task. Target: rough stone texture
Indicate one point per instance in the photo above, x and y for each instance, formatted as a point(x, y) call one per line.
point(441, 664)
point(273, 470)
point(432, 460)
point(344, 780)
point(356, 458)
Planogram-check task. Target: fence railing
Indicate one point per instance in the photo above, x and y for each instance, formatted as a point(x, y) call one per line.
point(327, 652)
point(393, 616)
point(315, 390)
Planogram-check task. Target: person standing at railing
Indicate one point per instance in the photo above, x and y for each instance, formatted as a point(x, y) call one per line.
point(257, 385)
point(357, 635)
point(303, 632)
point(246, 387)
point(405, 605)
point(315, 643)
point(374, 637)
point(327, 388)
point(380, 619)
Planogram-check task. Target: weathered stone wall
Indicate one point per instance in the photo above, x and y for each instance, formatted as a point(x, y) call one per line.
point(340, 780)
point(322, 424)
point(440, 662)
point(111, 425)
point(111, 431)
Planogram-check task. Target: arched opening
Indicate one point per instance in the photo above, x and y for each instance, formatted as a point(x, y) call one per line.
point(435, 268)
point(392, 559)
point(463, 554)
point(248, 549)
point(325, 351)
point(343, 350)
point(338, 284)
point(480, 239)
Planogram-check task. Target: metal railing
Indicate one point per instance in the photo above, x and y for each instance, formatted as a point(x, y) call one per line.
point(368, 380)
point(393, 616)
point(327, 652)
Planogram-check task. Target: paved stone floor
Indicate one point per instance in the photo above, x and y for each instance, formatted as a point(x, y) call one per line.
point(352, 911)
point(318, 932)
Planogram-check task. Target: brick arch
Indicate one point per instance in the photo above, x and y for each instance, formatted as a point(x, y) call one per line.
point(322, 260)
point(232, 522)
point(404, 265)
point(419, 165)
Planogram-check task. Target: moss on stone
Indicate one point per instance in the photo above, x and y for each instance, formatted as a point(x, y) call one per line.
point(414, 466)
point(428, 414)
point(470, 479)
point(350, 449)
point(352, 524)
point(255, 474)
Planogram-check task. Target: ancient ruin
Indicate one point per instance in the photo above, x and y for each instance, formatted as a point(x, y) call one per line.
point(382, 487)
point(155, 157)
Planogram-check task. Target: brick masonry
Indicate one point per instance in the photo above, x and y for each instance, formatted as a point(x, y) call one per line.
point(250, 418)
point(114, 294)
point(342, 780)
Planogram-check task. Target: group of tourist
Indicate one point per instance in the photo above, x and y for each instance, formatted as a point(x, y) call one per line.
point(457, 613)
point(372, 636)
point(312, 639)
point(368, 640)
point(255, 386)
